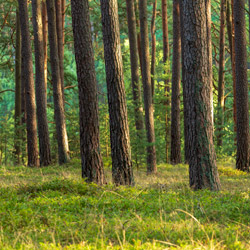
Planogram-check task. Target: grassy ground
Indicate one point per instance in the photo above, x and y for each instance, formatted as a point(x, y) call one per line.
point(52, 208)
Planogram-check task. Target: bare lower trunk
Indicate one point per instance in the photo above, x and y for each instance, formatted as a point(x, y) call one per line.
point(176, 82)
point(92, 165)
point(27, 78)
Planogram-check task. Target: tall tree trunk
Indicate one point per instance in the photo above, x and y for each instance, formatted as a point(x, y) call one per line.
point(198, 83)
point(176, 82)
point(148, 105)
point(229, 26)
point(135, 77)
point(234, 69)
point(43, 130)
point(92, 165)
point(18, 112)
point(62, 138)
point(119, 132)
point(153, 47)
point(45, 44)
point(165, 61)
point(221, 84)
point(60, 38)
point(27, 78)
point(185, 107)
point(242, 158)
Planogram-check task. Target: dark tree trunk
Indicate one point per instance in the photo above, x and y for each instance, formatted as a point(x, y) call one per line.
point(62, 139)
point(148, 105)
point(242, 158)
point(59, 29)
point(92, 165)
point(221, 84)
point(43, 130)
point(153, 47)
point(176, 82)
point(45, 44)
point(185, 107)
point(165, 61)
point(18, 111)
point(135, 78)
point(27, 78)
point(119, 132)
point(198, 83)
point(234, 69)
point(229, 26)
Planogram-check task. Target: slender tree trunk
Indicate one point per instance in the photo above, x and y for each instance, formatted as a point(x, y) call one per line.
point(198, 83)
point(60, 38)
point(92, 165)
point(62, 138)
point(119, 132)
point(135, 78)
point(18, 111)
point(45, 44)
point(165, 61)
point(176, 84)
point(185, 107)
point(27, 78)
point(43, 130)
point(229, 26)
point(148, 105)
point(234, 69)
point(221, 84)
point(153, 47)
point(242, 158)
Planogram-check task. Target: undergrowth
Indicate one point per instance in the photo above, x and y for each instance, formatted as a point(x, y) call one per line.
point(53, 208)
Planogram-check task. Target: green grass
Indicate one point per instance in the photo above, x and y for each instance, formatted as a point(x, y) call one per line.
point(52, 208)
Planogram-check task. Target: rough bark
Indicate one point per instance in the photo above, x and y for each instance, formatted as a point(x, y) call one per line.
point(134, 61)
point(62, 139)
point(242, 121)
point(60, 38)
point(185, 107)
point(119, 132)
point(92, 165)
point(198, 83)
point(221, 84)
point(234, 69)
point(148, 105)
point(27, 78)
point(153, 47)
point(18, 111)
point(176, 82)
point(45, 44)
point(43, 130)
point(165, 61)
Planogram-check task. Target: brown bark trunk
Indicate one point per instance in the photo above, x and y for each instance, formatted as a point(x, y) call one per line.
point(148, 105)
point(242, 158)
point(27, 78)
point(43, 130)
point(62, 139)
point(165, 61)
point(176, 82)
point(185, 108)
point(221, 84)
point(92, 165)
point(135, 78)
point(59, 30)
point(45, 44)
point(18, 112)
point(198, 83)
point(229, 26)
point(234, 69)
point(119, 132)
point(153, 47)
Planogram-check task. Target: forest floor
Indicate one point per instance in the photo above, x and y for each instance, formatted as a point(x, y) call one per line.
point(52, 208)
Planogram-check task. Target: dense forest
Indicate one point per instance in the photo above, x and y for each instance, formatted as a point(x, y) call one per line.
point(119, 120)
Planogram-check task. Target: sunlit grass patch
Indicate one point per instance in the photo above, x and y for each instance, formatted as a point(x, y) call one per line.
point(53, 208)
